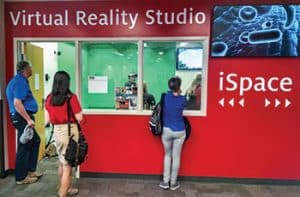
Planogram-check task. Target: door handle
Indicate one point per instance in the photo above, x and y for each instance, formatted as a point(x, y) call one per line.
point(43, 103)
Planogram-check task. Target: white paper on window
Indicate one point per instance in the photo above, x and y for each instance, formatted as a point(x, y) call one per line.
point(97, 84)
point(36, 81)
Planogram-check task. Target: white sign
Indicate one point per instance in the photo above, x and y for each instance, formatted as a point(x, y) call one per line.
point(233, 82)
point(187, 15)
point(97, 84)
point(36, 81)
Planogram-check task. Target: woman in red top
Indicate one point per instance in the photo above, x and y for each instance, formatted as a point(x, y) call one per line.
point(57, 114)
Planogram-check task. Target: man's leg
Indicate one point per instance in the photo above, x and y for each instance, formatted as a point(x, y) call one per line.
point(22, 154)
point(34, 153)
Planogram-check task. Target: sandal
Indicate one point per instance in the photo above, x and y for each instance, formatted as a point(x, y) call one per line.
point(72, 191)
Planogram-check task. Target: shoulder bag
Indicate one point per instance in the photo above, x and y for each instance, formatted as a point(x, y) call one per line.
point(76, 152)
point(188, 128)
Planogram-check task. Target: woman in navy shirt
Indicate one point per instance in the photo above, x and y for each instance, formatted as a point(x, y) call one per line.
point(173, 133)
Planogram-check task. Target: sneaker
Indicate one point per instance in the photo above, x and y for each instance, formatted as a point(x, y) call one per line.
point(35, 174)
point(27, 180)
point(73, 191)
point(164, 185)
point(174, 186)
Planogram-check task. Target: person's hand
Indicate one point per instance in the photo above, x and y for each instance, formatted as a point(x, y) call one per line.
point(189, 92)
point(82, 121)
point(30, 123)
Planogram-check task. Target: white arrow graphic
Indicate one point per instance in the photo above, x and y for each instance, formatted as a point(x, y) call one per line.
point(277, 103)
point(242, 102)
point(287, 103)
point(267, 102)
point(231, 102)
point(221, 102)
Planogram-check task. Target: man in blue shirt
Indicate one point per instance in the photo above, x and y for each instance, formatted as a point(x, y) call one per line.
point(22, 107)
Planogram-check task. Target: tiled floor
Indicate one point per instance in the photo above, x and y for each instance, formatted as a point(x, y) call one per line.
point(121, 187)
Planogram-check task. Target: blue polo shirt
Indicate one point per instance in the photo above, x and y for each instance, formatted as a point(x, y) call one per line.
point(18, 87)
point(173, 111)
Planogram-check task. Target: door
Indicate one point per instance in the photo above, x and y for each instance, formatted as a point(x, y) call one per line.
point(35, 56)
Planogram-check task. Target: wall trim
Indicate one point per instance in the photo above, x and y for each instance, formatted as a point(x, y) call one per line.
point(194, 178)
point(250, 181)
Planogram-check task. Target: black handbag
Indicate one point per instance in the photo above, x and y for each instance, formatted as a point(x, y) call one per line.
point(76, 152)
point(188, 128)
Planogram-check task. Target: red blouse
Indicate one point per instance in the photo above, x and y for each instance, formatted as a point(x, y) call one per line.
point(59, 114)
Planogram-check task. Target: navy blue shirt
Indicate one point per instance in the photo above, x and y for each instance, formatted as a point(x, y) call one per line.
point(172, 113)
point(18, 87)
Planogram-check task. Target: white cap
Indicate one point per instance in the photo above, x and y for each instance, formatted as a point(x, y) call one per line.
point(27, 134)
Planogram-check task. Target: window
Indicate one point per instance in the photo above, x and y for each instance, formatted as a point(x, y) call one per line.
point(158, 66)
point(128, 75)
point(162, 60)
point(106, 67)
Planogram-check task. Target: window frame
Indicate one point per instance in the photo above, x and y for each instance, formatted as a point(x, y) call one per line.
point(140, 40)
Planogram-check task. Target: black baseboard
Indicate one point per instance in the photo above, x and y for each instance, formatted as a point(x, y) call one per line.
point(3, 175)
point(120, 176)
point(248, 181)
point(251, 181)
point(6, 173)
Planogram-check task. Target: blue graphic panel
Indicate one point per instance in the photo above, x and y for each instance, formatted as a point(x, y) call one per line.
point(250, 30)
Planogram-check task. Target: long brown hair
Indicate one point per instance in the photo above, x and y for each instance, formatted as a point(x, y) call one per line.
point(60, 88)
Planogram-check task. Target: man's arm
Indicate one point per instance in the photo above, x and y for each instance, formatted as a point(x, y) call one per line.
point(21, 110)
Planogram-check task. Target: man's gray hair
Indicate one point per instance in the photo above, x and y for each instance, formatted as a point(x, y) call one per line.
point(22, 65)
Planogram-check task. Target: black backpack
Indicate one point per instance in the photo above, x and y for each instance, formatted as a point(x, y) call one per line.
point(156, 118)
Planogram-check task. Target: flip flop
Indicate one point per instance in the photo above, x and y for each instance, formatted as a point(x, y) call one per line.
point(73, 191)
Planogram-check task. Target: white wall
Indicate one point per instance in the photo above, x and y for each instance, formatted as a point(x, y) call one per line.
point(50, 63)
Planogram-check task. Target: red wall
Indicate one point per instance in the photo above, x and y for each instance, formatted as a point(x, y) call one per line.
point(253, 141)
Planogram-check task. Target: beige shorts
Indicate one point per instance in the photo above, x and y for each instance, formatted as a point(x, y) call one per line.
point(60, 135)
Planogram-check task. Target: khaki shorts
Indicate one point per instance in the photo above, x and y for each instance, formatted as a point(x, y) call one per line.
point(61, 137)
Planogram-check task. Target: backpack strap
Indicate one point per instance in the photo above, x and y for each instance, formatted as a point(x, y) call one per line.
point(162, 101)
point(71, 114)
point(69, 110)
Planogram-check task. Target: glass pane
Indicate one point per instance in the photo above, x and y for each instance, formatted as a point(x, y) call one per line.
point(163, 60)
point(193, 93)
point(66, 60)
point(189, 66)
point(159, 65)
point(109, 75)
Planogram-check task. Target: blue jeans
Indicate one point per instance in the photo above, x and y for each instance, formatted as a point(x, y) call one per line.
point(27, 154)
